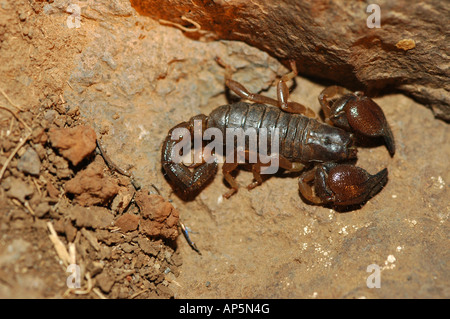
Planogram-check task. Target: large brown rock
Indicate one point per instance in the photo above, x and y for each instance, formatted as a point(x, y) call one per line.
point(332, 40)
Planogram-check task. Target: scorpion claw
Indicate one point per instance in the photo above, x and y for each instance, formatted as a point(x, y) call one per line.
point(341, 184)
point(367, 118)
point(356, 112)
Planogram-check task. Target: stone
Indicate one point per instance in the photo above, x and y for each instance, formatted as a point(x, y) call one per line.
point(29, 162)
point(339, 40)
point(90, 217)
point(18, 189)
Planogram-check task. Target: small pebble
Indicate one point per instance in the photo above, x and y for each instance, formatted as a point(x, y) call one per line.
point(29, 162)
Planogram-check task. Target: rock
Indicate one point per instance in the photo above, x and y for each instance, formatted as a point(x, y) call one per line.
point(74, 143)
point(42, 209)
point(336, 40)
point(52, 191)
point(94, 267)
point(50, 115)
point(149, 247)
point(122, 200)
point(29, 162)
point(90, 217)
point(91, 187)
point(18, 189)
point(160, 218)
point(105, 281)
point(128, 248)
point(127, 222)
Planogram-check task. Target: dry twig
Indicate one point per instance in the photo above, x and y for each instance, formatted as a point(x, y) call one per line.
point(9, 100)
point(59, 246)
point(99, 293)
point(16, 116)
point(197, 27)
point(13, 153)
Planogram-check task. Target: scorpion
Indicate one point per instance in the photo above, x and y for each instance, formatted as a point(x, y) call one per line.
point(323, 151)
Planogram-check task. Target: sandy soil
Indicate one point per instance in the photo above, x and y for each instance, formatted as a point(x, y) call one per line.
point(131, 80)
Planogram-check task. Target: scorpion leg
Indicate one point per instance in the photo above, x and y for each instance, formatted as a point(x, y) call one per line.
point(340, 184)
point(241, 90)
point(356, 112)
point(227, 168)
point(305, 187)
point(256, 170)
point(283, 95)
point(282, 92)
point(330, 93)
point(282, 162)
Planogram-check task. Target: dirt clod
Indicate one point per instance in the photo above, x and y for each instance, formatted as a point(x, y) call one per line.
point(52, 191)
point(92, 186)
point(74, 143)
point(148, 246)
point(18, 189)
point(42, 209)
point(92, 217)
point(160, 218)
point(104, 282)
point(127, 222)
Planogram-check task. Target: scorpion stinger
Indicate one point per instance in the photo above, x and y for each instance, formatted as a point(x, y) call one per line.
point(188, 182)
point(355, 112)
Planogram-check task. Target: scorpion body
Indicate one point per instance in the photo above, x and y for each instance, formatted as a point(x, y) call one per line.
point(302, 139)
point(303, 142)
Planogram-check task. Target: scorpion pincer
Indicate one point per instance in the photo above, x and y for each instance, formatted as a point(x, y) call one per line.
point(324, 151)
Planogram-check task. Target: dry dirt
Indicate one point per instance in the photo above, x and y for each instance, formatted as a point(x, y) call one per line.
point(131, 80)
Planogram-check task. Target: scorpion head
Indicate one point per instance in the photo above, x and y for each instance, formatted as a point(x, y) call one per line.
point(330, 144)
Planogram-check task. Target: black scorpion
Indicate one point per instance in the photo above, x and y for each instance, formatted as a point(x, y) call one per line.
point(304, 142)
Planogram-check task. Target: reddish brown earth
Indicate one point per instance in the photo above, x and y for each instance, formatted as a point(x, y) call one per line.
point(130, 80)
